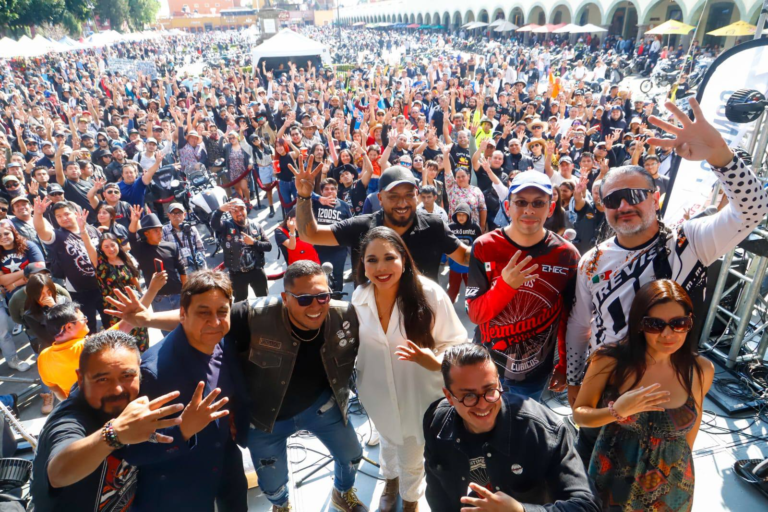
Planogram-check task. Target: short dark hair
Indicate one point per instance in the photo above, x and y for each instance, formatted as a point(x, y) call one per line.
point(465, 354)
point(301, 268)
point(59, 316)
point(328, 181)
point(61, 205)
point(107, 340)
point(204, 281)
point(428, 189)
point(617, 172)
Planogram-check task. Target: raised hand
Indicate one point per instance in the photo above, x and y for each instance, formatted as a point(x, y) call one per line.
point(41, 204)
point(642, 399)
point(158, 280)
point(142, 417)
point(695, 140)
point(305, 176)
point(515, 274)
point(488, 501)
point(82, 219)
point(200, 411)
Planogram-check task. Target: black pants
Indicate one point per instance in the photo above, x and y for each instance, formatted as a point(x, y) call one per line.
point(585, 443)
point(256, 279)
point(90, 304)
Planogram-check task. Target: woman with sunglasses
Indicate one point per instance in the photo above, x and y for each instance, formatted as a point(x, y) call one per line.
point(646, 392)
point(238, 162)
point(16, 252)
point(404, 318)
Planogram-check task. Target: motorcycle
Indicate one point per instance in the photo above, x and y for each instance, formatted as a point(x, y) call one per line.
point(664, 74)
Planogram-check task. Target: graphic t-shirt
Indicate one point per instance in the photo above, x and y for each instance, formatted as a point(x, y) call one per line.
point(72, 259)
point(110, 488)
point(474, 447)
point(521, 326)
point(13, 261)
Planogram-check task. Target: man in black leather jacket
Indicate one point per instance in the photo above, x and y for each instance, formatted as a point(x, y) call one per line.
point(244, 244)
point(486, 450)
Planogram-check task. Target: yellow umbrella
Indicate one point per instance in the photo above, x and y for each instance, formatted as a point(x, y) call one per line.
point(740, 28)
point(671, 28)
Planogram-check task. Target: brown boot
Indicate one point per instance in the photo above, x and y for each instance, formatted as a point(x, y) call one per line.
point(285, 508)
point(410, 506)
point(347, 501)
point(388, 501)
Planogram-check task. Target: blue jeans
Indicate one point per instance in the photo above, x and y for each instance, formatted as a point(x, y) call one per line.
point(324, 420)
point(287, 191)
point(528, 388)
point(166, 303)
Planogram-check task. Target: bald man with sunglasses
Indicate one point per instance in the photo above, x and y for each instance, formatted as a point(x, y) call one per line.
point(644, 249)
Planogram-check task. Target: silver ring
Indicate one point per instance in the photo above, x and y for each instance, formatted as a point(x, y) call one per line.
point(153, 437)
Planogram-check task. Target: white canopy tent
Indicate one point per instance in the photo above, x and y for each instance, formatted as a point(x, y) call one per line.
point(288, 44)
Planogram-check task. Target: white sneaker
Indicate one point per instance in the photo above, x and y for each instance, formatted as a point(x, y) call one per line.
point(17, 364)
point(374, 439)
point(17, 329)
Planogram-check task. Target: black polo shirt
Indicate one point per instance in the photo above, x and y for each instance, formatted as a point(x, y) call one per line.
point(427, 239)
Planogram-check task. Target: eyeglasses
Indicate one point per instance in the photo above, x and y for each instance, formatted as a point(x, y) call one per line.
point(471, 399)
point(418, 159)
point(536, 204)
point(632, 196)
point(306, 300)
point(680, 324)
point(58, 194)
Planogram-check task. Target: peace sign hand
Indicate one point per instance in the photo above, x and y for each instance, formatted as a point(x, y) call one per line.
point(696, 140)
point(515, 274)
point(305, 176)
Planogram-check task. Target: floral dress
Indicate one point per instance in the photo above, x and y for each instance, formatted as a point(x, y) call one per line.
point(471, 195)
point(236, 163)
point(112, 277)
point(646, 465)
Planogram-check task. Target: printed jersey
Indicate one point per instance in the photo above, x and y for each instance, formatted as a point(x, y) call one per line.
point(609, 275)
point(521, 326)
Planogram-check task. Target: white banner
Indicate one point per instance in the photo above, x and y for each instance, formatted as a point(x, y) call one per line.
point(742, 67)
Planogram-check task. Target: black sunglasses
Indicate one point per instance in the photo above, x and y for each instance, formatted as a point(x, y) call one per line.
point(306, 300)
point(679, 324)
point(3, 209)
point(632, 196)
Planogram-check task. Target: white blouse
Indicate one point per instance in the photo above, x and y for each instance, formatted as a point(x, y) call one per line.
point(397, 393)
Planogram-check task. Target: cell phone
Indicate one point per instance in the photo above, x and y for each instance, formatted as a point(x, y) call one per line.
point(159, 265)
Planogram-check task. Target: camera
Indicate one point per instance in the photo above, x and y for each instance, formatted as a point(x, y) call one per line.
point(186, 227)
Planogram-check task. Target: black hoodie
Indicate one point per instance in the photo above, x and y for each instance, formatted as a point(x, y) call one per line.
point(467, 233)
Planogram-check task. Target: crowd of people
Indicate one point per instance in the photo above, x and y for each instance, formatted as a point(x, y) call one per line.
point(533, 184)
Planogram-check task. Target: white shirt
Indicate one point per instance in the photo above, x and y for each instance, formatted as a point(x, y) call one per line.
point(397, 393)
point(436, 210)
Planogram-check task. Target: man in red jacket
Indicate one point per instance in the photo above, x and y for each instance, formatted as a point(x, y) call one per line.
point(521, 285)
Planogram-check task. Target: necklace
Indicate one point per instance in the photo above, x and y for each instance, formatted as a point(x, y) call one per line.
point(293, 332)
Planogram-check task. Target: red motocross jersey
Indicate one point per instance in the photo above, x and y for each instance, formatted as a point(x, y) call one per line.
point(522, 326)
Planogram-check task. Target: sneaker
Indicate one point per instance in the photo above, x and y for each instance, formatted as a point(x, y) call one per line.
point(47, 403)
point(374, 439)
point(17, 364)
point(347, 501)
point(17, 329)
point(282, 508)
point(15, 406)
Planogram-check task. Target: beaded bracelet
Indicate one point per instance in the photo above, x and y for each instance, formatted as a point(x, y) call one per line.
point(619, 418)
point(110, 436)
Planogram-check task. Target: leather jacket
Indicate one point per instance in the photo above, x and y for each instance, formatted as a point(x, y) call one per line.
point(268, 363)
point(231, 235)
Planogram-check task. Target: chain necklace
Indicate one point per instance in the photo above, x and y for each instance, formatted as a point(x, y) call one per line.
point(293, 332)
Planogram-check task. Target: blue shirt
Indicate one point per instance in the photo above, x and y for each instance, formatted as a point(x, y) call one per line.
point(133, 193)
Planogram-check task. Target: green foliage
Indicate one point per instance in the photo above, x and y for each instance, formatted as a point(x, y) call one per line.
point(116, 11)
point(142, 12)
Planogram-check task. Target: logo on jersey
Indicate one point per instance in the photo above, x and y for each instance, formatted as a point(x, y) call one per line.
point(601, 277)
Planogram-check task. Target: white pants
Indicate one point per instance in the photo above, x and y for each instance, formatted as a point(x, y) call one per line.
point(405, 461)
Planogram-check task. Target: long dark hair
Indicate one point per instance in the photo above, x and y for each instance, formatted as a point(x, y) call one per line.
point(19, 242)
point(418, 317)
point(630, 353)
point(34, 288)
point(120, 253)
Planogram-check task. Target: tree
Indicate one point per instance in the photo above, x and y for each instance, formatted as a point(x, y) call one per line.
point(8, 12)
point(116, 11)
point(142, 12)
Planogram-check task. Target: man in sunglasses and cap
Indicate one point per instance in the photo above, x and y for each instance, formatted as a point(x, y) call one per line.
point(297, 352)
point(644, 249)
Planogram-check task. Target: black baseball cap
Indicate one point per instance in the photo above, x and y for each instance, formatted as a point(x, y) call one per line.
point(394, 176)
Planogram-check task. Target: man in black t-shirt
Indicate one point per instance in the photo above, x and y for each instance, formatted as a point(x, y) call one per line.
point(67, 256)
point(75, 188)
point(79, 463)
point(426, 236)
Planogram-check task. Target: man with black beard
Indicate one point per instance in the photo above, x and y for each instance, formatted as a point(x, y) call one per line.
point(79, 464)
point(426, 236)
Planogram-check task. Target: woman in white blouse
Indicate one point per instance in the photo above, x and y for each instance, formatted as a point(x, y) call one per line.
point(406, 323)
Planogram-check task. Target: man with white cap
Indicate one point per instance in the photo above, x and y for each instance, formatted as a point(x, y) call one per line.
point(521, 284)
point(245, 246)
point(186, 237)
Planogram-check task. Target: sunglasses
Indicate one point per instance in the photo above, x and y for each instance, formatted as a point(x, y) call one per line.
point(306, 300)
point(12, 184)
point(537, 204)
point(679, 324)
point(112, 191)
point(3, 209)
point(632, 196)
